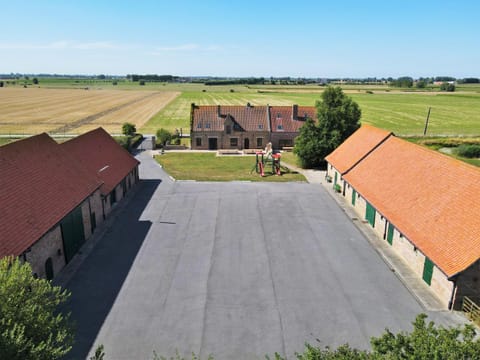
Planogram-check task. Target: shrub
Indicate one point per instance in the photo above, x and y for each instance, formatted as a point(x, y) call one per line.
point(369, 92)
point(141, 82)
point(469, 151)
point(447, 87)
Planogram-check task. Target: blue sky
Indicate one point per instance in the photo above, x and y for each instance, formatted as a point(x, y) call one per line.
point(242, 38)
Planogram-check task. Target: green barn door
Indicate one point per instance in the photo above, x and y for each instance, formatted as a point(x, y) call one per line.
point(390, 234)
point(428, 271)
point(354, 196)
point(72, 233)
point(370, 214)
point(335, 180)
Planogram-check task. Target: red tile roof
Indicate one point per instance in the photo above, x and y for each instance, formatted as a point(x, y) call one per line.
point(283, 121)
point(212, 117)
point(39, 185)
point(431, 198)
point(251, 118)
point(357, 146)
point(101, 156)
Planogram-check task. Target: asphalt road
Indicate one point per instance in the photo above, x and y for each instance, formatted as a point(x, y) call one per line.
point(236, 270)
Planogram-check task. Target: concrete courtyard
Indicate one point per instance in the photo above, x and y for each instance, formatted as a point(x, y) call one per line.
point(236, 270)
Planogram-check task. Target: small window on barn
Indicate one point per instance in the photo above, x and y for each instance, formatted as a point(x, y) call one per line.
point(259, 142)
point(260, 126)
point(233, 142)
point(198, 141)
point(199, 125)
point(207, 126)
point(279, 116)
point(279, 127)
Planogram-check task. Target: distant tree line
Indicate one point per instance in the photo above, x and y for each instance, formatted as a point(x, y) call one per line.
point(153, 78)
point(242, 81)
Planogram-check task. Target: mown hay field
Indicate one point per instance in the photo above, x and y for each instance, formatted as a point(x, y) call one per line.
point(75, 111)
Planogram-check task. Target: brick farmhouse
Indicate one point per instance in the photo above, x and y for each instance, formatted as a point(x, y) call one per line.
point(423, 203)
point(215, 127)
point(54, 196)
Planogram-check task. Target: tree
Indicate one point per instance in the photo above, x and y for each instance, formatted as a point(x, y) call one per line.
point(128, 129)
point(338, 118)
point(30, 325)
point(428, 341)
point(425, 342)
point(421, 84)
point(1, 83)
point(35, 81)
point(404, 81)
point(163, 136)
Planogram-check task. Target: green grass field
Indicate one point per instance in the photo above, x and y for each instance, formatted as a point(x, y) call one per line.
point(209, 167)
point(401, 112)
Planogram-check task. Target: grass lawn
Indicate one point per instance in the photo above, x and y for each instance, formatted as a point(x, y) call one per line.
point(290, 158)
point(209, 167)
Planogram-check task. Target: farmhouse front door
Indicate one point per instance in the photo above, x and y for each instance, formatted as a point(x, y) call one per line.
point(212, 144)
point(246, 143)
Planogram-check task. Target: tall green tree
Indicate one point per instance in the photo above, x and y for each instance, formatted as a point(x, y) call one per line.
point(31, 327)
point(338, 117)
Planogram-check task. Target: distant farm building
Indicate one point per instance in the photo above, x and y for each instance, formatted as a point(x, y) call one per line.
point(54, 196)
point(246, 127)
point(423, 203)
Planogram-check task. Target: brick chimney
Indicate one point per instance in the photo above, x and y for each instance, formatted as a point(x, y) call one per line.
point(294, 112)
point(219, 113)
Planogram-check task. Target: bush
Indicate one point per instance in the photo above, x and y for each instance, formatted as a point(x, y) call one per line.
point(141, 82)
point(469, 151)
point(447, 87)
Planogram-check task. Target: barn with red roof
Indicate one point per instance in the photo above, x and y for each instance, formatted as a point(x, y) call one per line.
point(49, 204)
point(423, 203)
point(100, 155)
point(53, 197)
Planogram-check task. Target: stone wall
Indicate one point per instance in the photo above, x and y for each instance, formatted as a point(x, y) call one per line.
point(49, 246)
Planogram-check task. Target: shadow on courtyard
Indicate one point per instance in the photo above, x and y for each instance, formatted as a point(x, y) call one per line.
point(100, 277)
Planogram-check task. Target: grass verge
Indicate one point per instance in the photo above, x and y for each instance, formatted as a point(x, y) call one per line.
point(209, 167)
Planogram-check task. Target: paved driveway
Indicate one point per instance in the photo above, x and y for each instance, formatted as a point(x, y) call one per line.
point(237, 270)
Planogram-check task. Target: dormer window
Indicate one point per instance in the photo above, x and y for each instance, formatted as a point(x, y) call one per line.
point(260, 126)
